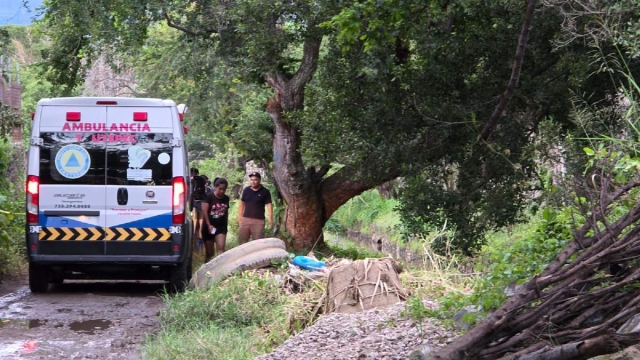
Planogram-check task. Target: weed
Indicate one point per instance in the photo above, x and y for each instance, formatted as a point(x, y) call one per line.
point(416, 311)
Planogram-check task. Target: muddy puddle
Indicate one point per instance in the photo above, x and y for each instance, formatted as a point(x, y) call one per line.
point(81, 320)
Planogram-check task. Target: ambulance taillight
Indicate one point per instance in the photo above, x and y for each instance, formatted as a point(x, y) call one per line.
point(178, 199)
point(33, 198)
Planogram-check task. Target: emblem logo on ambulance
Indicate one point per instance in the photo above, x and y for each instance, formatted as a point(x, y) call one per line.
point(72, 161)
point(150, 194)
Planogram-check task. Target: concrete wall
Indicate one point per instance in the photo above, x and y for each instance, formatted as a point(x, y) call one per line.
point(377, 241)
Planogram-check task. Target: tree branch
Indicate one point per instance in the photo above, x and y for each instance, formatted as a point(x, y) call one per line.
point(604, 344)
point(515, 73)
point(343, 185)
point(309, 63)
point(171, 24)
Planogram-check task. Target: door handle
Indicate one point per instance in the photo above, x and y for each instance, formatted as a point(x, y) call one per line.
point(122, 196)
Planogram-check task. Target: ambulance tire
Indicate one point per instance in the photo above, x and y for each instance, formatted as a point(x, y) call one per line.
point(38, 278)
point(178, 276)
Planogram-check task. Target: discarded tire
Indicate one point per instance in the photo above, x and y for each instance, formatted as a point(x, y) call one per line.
point(249, 256)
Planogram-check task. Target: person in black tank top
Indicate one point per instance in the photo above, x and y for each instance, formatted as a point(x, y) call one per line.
point(216, 218)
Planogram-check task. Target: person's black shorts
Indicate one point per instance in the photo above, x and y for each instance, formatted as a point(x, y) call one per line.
point(220, 229)
point(198, 208)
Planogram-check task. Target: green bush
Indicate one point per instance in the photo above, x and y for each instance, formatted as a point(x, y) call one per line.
point(512, 258)
point(12, 217)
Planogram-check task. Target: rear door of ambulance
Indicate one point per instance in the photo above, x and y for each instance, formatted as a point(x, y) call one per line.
point(140, 162)
point(72, 210)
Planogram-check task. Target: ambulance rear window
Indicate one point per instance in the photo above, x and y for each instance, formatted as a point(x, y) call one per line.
point(72, 158)
point(141, 159)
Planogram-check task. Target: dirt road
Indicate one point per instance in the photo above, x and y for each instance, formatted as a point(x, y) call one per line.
point(77, 320)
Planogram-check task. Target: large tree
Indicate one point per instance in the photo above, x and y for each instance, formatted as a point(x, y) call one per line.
point(414, 88)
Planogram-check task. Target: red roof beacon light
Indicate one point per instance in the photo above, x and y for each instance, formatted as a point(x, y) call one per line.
point(140, 116)
point(182, 109)
point(73, 115)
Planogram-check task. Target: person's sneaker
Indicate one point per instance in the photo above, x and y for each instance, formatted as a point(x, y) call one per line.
point(200, 245)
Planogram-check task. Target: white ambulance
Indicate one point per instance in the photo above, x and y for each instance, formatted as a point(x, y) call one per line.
point(107, 192)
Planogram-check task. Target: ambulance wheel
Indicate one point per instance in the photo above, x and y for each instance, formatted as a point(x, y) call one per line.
point(38, 278)
point(178, 276)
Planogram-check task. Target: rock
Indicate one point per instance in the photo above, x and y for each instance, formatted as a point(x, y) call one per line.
point(512, 289)
point(458, 318)
point(421, 352)
point(373, 334)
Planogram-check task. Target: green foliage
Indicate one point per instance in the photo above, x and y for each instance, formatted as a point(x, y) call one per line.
point(341, 248)
point(242, 301)
point(12, 218)
point(466, 200)
point(224, 112)
point(366, 212)
point(510, 259)
point(221, 165)
point(240, 318)
point(401, 88)
point(416, 311)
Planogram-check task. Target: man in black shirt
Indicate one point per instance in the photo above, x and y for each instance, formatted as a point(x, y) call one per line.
point(251, 217)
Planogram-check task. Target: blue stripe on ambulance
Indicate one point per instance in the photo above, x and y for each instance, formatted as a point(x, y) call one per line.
point(63, 222)
point(158, 221)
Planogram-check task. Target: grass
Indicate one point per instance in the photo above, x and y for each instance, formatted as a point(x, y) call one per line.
point(245, 316)
point(438, 275)
point(367, 213)
point(342, 247)
point(207, 342)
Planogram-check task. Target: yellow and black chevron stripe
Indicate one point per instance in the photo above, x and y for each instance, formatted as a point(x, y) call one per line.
point(137, 234)
point(107, 234)
point(75, 234)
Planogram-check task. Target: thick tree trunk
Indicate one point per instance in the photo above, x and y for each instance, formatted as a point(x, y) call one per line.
point(303, 215)
point(310, 198)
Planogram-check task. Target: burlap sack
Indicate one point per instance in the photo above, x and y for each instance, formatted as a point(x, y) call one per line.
point(362, 285)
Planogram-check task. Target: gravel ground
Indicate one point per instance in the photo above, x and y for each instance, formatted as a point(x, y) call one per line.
point(372, 334)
